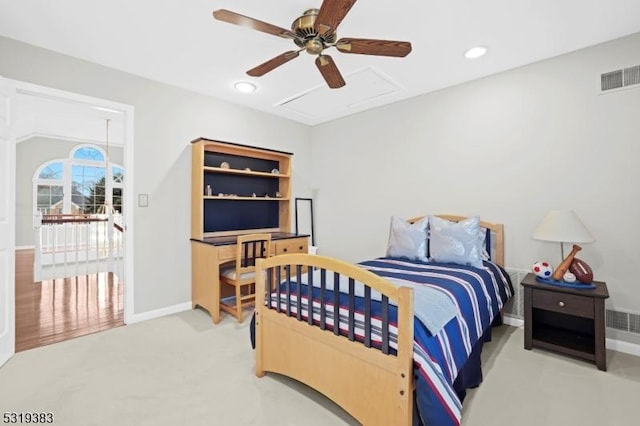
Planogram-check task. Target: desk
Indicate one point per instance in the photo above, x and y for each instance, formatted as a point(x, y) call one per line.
point(207, 254)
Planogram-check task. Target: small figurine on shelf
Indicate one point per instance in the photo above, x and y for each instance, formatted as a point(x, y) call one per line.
point(278, 195)
point(224, 165)
point(209, 191)
point(254, 195)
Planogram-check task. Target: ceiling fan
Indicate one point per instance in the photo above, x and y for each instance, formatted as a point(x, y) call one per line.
point(314, 32)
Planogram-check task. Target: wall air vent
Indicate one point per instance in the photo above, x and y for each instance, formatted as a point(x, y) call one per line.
point(632, 76)
point(626, 77)
point(625, 321)
point(515, 306)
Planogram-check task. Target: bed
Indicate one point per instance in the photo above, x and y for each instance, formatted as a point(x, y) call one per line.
point(385, 362)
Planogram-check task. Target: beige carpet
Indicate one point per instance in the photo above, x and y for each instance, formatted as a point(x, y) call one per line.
point(181, 369)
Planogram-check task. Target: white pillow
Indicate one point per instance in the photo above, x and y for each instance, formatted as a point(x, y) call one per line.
point(451, 242)
point(408, 239)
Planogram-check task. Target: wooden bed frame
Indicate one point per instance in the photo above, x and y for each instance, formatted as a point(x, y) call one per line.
point(375, 388)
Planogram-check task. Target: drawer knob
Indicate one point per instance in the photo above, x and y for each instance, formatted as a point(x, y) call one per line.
point(285, 249)
point(561, 304)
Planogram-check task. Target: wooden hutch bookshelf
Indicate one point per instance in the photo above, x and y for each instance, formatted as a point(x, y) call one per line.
point(235, 189)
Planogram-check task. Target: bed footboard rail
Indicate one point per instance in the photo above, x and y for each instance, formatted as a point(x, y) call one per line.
point(336, 342)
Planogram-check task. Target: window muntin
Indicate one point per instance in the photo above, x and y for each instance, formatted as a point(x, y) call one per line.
point(49, 199)
point(84, 174)
point(89, 181)
point(118, 175)
point(52, 170)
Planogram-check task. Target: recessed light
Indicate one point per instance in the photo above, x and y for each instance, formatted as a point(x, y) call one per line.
point(475, 52)
point(245, 87)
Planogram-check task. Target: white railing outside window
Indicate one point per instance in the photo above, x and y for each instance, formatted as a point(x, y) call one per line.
point(69, 245)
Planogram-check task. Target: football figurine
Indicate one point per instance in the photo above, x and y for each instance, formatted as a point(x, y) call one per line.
point(581, 270)
point(542, 269)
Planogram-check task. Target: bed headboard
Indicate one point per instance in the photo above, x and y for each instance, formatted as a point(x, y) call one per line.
point(495, 236)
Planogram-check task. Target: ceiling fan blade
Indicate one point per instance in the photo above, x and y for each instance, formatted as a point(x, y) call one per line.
point(272, 64)
point(365, 46)
point(254, 24)
point(330, 71)
point(331, 13)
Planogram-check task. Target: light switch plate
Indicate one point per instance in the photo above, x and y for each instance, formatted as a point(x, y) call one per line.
point(143, 200)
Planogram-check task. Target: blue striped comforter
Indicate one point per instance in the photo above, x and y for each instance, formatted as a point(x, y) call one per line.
point(478, 295)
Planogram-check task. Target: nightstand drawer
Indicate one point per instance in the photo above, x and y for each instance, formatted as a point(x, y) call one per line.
point(562, 302)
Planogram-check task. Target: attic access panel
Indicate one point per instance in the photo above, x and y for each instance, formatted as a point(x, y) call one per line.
point(319, 102)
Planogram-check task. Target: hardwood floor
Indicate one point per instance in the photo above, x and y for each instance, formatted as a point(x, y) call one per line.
point(61, 309)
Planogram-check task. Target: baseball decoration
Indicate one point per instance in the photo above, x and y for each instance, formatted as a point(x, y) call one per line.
point(581, 270)
point(564, 265)
point(542, 269)
point(568, 277)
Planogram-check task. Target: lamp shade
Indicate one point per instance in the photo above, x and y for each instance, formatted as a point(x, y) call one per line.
point(562, 226)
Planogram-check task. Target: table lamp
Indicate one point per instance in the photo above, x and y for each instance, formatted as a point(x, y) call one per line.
point(563, 226)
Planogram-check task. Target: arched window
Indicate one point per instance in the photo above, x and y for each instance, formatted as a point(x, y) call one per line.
point(88, 153)
point(79, 184)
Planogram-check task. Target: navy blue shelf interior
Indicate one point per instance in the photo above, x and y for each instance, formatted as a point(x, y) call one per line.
point(226, 215)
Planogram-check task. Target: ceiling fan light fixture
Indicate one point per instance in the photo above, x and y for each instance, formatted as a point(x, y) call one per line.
point(314, 46)
point(475, 52)
point(245, 87)
point(314, 32)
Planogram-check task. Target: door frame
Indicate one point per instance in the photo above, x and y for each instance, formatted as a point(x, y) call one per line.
point(7, 222)
point(25, 88)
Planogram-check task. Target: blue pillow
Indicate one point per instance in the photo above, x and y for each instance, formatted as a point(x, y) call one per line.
point(451, 242)
point(408, 239)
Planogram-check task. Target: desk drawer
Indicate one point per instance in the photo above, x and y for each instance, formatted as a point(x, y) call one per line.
point(227, 253)
point(564, 303)
point(293, 245)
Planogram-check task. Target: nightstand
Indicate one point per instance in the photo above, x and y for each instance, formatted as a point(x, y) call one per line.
point(565, 320)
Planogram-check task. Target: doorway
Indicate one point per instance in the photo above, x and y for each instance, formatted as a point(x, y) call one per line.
point(53, 309)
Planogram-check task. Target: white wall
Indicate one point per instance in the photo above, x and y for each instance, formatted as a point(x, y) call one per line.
point(166, 120)
point(508, 147)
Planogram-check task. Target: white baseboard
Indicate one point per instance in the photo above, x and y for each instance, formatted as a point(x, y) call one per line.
point(4, 358)
point(512, 321)
point(613, 344)
point(625, 347)
point(159, 312)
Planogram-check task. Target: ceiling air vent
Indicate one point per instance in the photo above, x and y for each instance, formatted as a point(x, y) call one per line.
point(620, 78)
